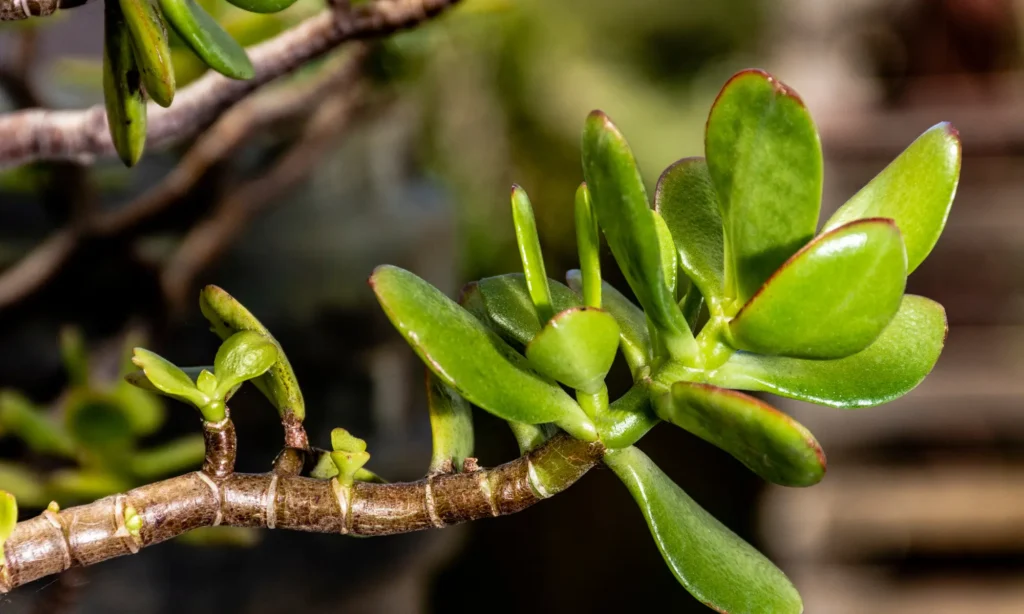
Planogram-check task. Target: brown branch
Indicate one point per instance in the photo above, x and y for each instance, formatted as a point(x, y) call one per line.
point(15, 10)
point(88, 534)
point(221, 448)
point(208, 239)
point(82, 135)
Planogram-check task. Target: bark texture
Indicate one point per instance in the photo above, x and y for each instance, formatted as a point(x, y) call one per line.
point(87, 534)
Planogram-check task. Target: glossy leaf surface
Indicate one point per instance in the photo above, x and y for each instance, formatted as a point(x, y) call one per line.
point(207, 38)
point(227, 316)
point(764, 157)
point(152, 48)
point(625, 217)
point(686, 199)
point(667, 249)
point(628, 418)
point(243, 356)
point(916, 190)
point(713, 563)
point(831, 299)
point(451, 426)
point(634, 337)
point(530, 254)
point(588, 244)
point(509, 307)
point(577, 348)
point(469, 357)
point(262, 6)
point(890, 367)
point(769, 442)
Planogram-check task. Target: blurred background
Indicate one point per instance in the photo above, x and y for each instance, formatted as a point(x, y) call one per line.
point(403, 152)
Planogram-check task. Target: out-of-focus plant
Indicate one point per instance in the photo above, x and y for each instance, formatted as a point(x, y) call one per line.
point(817, 314)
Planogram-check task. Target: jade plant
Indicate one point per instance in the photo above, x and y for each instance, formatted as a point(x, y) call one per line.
point(739, 289)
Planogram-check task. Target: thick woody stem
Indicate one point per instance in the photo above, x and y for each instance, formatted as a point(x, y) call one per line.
point(14, 10)
point(38, 134)
point(87, 534)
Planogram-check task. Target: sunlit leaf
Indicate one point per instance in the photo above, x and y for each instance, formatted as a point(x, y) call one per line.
point(634, 337)
point(577, 348)
point(451, 426)
point(168, 378)
point(243, 356)
point(506, 300)
point(831, 299)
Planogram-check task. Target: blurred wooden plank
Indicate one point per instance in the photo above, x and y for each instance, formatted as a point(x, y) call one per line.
point(858, 512)
point(844, 590)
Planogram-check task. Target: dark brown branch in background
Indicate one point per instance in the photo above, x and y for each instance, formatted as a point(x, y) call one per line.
point(208, 239)
point(232, 131)
point(88, 534)
point(16, 70)
point(82, 135)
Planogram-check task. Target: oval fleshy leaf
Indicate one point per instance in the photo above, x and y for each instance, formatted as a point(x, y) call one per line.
point(831, 299)
point(507, 302)
point(451, 425)
point(916, 190)
point(207, 39)
point(262, 6)
point(718, 568)
point(588, 244)
point(227, 316)
point(764, 157)
point(152, 48)
point(686, 199)
point(167, 378)
point(767, 441)
point(123, 96)
point(472, 359)
point(530, 253)
point(625, 217)
point(577, 348)
point(243, 356)
point(889, 368)
point(634, 336)
point(139, 380)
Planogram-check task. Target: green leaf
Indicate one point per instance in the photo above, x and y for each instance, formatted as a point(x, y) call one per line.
point(531, 436)
point(530, 254)
point(634, 336)
point(243, 356)
point(625, 216)
point(916, 190)
point(344, 441)
point(628, 418)
point(451, 426)
point(667, 250)
point(139, 380)
point(507, 303)
point(577, 347)
point(169, 458)
point(123, 96)
point(770, 443)
point(469, 357)
point(830, 300)
point(167, 378)
point(764, 158)
point(207, 39)
point(8, 518)
point(691, 304)
point(262, 6)
point(889, 368)
point(348, 463)
point(41, 434)
point(97, 423)
point(207, 383)
point(145, 411)
point(152, 48)
point(713, 563)
point(227, 316)
point(588, 244)
point(686, 199)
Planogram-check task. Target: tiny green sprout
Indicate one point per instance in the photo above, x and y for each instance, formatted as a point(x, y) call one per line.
point(132, 521)
point(242, 357)
point(8, 519)
point(53, 507)
point(349, 455)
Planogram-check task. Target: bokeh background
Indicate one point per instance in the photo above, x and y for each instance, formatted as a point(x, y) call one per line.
point(923, 507)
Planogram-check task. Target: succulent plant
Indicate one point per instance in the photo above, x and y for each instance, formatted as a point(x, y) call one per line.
point(813, 314)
